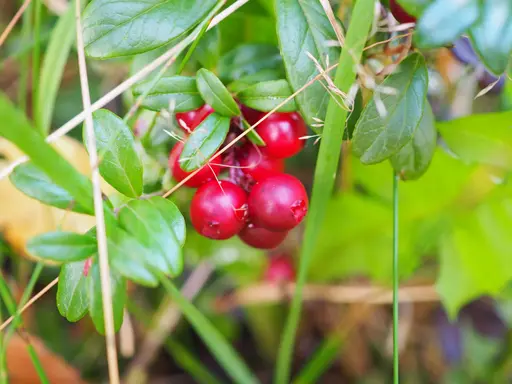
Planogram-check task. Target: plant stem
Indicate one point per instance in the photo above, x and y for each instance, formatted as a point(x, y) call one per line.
point(26, 32)
point(36, 52)
point(37, 364)
point(396, 179)
point(327, 163)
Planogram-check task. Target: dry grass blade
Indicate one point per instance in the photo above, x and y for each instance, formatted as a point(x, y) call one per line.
point(13, 22)
point(332, 19)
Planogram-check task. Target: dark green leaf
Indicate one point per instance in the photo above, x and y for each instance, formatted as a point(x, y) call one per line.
point(118, 288)
point(378, 137)
point(179, 92)
point(208, 50)
point(62, 246)
point(215, 93)
point(267, 95)
point(303, 27)
point(414, 7)
point(36, 184)
point(353, 117)
point(414, 158)
point(72, 297)
point(119, 28)
point(120, 164)
point(204, 142)
point(443, 21)
point(255, 78)
point(492, 35)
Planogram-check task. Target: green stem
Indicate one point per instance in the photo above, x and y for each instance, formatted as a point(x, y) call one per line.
point(37, 364)
point(36, 55)
point(395, 280)
point(193, 47)
point(322, 359)
point(26, 32)
point(327, 163)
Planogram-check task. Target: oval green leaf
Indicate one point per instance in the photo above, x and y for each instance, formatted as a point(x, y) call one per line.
point(216, 94)
point(72, 297)
point(62, 247)
point(172, 216)
point(207, 51)
point(267, 95)
point(204, 142)
point(255, 78)
point(378, 137)
point(414, 7)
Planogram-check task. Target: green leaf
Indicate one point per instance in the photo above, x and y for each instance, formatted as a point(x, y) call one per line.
point(127, 27)
point(148, 224)
point(378, 137)
point(255, 78)
point(267, 95)
point(443, 21)
point(208, 50)
point(120, 164)
point(36, 184)
point(62, 247)
point(118, 288)
point(353, 117)
point(72, 297)
point(215, 94)
point(204, 142)
point(303, 27)
point(179, 92)
point(414, 158)
point(414, 7)
point(141, 60)
point(172, 216)
point(469, 139)
point(253, 136)
point(491, 35)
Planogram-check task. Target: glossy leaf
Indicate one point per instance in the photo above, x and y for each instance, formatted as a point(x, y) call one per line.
point(492, 35)
point(255, 78)
point(178, 92)
point(267, 95)
point(72, 296)
point(414, 158)
point(443, 21)
point(215, 94)
point(172, 216)
point(36, 184)
point(208, 50)
point(378, 137)
point(62, 246)
point(120, 164)
point(303, 27)
point(127, 27)
point(118, 288)
point(204, 142)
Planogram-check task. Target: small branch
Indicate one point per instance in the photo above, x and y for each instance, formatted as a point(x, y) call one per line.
point(13, 22)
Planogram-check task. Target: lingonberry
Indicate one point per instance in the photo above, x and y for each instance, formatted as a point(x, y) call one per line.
point(278, 202)
point(282, 134)
point(399, 13)
point(251, 115)
point(280, 269)
point(261, 238)
point(218, 209)
point(255, 162)
point(202, 114)
point(205, 174)
point(189, 120)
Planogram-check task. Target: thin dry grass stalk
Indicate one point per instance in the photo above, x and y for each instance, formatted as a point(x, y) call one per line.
point(13, 22)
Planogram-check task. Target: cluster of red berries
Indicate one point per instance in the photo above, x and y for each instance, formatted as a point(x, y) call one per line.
point(257, 201)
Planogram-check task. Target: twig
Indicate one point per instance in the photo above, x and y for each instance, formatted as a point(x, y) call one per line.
point(13, 22)
point(101, 235)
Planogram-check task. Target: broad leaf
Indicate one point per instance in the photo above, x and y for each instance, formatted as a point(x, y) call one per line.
point(36, 184)
point(72, 297)
point(303, 27)
point(215, 94)
point(492, 35)
point(204, 142)
point(178, 92)
point(120, 164)
point(127, 27)
point(443, 21)
point(255, 78)
point(380, 134)
point(267, 95)
point(62, 246)
point(414, 158)
point(118, 288)
point(172, 216)
point(208, 50)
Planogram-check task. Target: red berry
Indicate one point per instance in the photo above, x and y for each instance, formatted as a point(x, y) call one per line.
point(280, 269)
point(202, 114)
point(218, 209)
point(256, 163)
point(206, 173)
point(189, 120)
point(399, 13)
point(278, 203)
point(251, 115)
point(282, 133)
point(261, 238)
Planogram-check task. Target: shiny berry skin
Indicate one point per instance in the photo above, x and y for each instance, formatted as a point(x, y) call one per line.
point(204, 175)
point(399, 13)
point(280, 269)
point(251, 115)
point(219, 213)
point(202, 114)
point(255, 162)
point(282, 134)
point(189, 120)
point(261, 238)
point(278, 202)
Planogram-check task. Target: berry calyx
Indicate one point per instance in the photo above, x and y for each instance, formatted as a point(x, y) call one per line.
point(280, 269)
point(205, 174)
point(399, 13)
point(278, 202)
point(261, 238)
point(218, 210)
point(256, 163)
point(282, 134)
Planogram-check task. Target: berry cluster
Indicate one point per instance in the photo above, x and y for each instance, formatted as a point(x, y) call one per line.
point(257, 201)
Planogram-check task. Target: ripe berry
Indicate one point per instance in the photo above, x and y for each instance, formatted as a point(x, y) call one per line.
point(218, 209)
point(189, 120)
point(251, 115)
point(206, 173)
point(282, 133)
point(278, 202)
point(261, 238)
point(399, 13)
point(255, 162)
point(280, 269)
